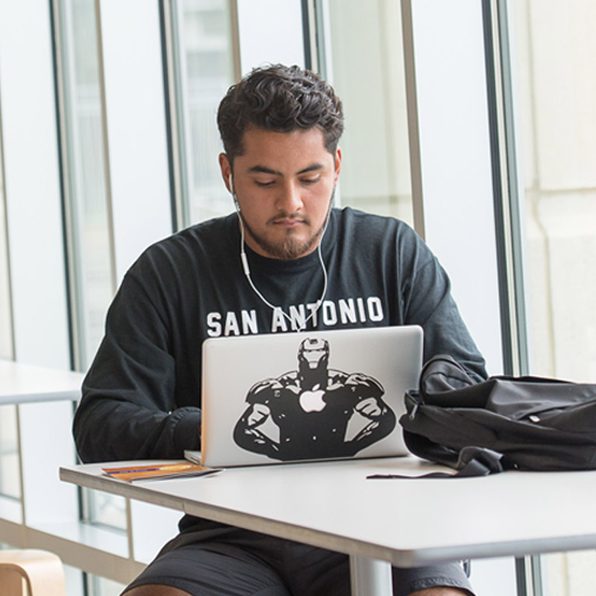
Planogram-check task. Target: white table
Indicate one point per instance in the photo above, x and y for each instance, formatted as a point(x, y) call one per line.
point(377, 522)
point(23, 383)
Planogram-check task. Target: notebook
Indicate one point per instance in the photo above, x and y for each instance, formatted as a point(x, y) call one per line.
point(307, 396)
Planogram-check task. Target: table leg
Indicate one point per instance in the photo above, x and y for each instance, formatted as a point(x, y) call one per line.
point(370, 577)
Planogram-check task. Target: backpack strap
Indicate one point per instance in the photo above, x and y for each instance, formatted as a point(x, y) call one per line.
point(472, 461)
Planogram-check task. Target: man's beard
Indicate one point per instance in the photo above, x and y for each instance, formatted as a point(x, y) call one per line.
point(289, 248)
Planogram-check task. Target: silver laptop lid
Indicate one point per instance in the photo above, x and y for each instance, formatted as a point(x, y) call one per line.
point(307, 396)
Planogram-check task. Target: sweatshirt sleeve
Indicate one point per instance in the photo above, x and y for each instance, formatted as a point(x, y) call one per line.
point(128, 409)
point(428, 302)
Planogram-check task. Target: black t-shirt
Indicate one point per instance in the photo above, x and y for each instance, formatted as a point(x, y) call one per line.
point(141, 396)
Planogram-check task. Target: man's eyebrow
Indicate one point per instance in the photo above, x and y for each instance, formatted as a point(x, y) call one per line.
point(265, 170)
point(311, 168)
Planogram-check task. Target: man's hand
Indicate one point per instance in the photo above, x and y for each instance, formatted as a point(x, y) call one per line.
point(440, 591)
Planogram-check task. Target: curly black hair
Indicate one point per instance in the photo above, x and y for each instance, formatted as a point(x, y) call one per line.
point(282, 99)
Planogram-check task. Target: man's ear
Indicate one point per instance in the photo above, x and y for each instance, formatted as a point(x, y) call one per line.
point(337, 159)
point(226, 170)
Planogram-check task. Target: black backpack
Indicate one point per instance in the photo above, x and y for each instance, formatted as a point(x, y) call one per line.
point(524, 423)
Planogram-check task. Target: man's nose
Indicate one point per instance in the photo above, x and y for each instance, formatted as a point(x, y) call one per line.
point(289, 199)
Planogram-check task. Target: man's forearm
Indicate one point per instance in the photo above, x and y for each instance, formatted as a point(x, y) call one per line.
point(108, 430)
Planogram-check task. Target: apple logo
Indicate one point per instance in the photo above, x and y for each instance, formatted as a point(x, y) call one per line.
point(312, 401)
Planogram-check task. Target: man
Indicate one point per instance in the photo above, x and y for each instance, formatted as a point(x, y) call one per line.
point(285, 249)
point(311, 408)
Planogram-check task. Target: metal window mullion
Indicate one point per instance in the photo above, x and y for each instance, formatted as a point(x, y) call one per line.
point(513, 186)
point(69, 207)
point(505, 188)
point(500, 187)
point(321, 38)
point(174, 112)
point(412, 113)
point(235, 39)
point(309, 29)
point(105, 146)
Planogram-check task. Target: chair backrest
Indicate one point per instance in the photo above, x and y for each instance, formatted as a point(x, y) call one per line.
point(31, 572)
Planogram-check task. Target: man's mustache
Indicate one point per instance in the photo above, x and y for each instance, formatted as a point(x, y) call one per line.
point(289, 216)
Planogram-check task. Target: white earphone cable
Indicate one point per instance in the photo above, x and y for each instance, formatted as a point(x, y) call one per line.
point(246, 270)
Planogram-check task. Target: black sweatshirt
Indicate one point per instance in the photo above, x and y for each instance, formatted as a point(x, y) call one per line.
point(141, 396)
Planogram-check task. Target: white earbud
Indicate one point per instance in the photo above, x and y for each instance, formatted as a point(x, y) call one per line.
point(243, 256)
point(231, 185)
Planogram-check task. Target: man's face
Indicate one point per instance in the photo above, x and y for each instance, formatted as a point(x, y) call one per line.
point(284, 183)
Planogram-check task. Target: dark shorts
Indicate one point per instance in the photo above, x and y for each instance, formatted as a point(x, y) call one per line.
point(233, 562)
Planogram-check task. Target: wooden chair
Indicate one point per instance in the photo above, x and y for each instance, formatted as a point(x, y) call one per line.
point(30, 572)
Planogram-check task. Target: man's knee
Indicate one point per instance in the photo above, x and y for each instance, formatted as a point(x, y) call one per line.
point(156, 590)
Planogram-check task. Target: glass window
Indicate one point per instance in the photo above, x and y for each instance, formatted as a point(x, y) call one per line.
point(87, 204)
point(103, 509)
point(9, 462)
point(9, 456)
point(204, 69)
point(364, 62)
point(6, 347)
point(366, 69)
point(92, 284)
point(553, 45)
point(104, 587)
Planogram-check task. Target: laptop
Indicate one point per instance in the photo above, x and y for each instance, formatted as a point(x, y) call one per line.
point(307, 396)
